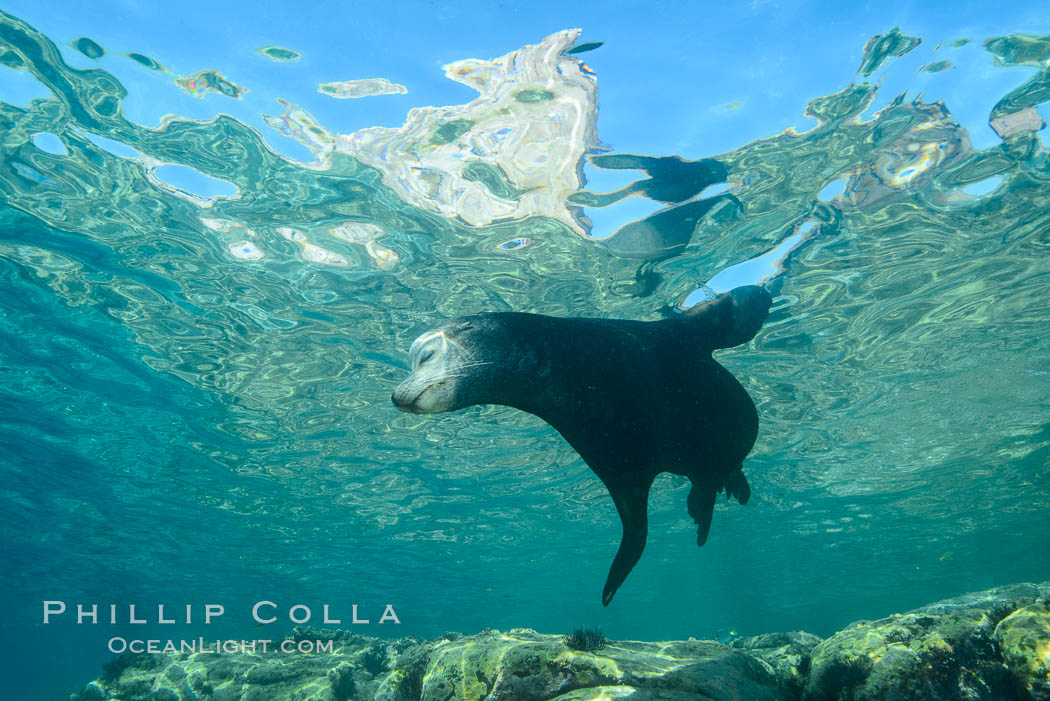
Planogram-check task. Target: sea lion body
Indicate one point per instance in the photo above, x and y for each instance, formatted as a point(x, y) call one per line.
point(633, 398)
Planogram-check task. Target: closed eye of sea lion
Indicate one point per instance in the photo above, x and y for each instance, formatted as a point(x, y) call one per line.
point(633, 398)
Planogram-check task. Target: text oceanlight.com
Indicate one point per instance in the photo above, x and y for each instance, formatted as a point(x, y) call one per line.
point(200, 645)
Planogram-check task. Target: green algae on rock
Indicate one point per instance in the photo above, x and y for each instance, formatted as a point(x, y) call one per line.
point(519, 665)
point(944, 651)
point(788, 654)
point(1024, 639)
point(989, 645)
point(524, 664)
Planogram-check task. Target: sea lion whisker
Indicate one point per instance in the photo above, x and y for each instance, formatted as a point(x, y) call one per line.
point(476, 364)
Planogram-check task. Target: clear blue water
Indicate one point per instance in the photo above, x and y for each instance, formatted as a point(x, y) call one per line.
point(203, 317)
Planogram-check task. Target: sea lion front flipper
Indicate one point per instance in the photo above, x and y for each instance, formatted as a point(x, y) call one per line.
point(737, 486)
point(632, 502)
point(733, 318)
point(701, 504)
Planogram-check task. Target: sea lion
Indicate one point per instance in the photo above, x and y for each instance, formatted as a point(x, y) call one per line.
point(633, 398)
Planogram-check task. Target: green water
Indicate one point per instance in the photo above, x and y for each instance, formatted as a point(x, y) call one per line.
point(181, 424)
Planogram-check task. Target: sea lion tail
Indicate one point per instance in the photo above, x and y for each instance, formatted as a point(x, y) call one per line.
point(733, 318)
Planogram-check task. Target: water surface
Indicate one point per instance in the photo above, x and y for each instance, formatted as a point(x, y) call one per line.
point(203, 316)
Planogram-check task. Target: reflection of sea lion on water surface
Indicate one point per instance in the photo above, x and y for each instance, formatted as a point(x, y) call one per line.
point(633, 398)
point(682, 185)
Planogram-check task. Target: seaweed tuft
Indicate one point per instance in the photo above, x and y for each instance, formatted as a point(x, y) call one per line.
point(586, 639)
point(375, 659)
point(341, 677)
point(112, 670)
point(841, 676)
point(411, 686)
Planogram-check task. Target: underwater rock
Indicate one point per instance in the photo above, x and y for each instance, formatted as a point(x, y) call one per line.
point(241, 676)
point(521, 665)
point(787, 653)
point(1024, 639)
point(526, 665)
point(990, 645)
point(944, 651)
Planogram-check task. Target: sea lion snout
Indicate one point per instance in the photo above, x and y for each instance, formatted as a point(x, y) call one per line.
point(404, 399)
point(423, 393)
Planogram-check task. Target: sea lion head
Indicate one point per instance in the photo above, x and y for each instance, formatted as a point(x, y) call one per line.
point(477, 359)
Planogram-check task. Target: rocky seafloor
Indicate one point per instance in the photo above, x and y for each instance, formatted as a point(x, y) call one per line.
point(989, 645)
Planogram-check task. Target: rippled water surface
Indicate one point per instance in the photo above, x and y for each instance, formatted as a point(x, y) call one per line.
point(202, 319)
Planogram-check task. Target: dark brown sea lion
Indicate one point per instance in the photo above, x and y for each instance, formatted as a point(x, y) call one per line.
point(633, 398)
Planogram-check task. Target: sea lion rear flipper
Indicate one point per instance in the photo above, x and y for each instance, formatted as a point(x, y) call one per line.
point(737, 486)
point(701, 504)
point(632, 502)
point(733, 318)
